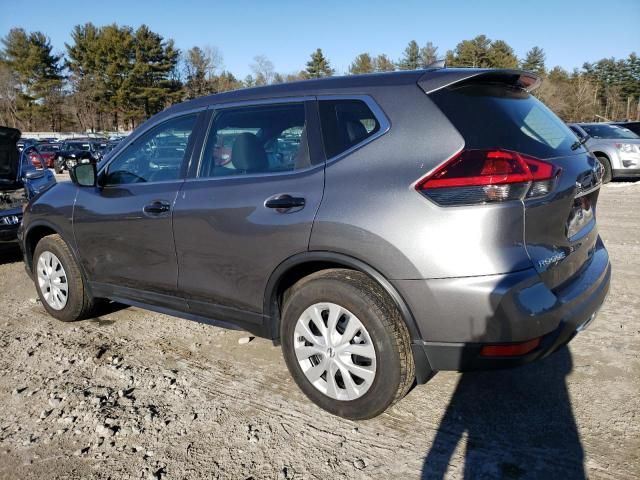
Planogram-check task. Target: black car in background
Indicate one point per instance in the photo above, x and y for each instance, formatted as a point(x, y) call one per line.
point(79, 150)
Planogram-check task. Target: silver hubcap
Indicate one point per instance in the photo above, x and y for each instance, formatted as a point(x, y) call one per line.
point(52, 280)
point(335, 351)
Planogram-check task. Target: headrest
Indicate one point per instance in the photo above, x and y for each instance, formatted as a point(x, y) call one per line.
point(248, 154)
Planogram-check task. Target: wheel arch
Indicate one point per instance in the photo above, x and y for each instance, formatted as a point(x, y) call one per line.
point(36, 232)
point(306, 263)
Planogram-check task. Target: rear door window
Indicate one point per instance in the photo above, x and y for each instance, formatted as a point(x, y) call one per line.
point(345, 124)
point(256, 140)
point(498, 116)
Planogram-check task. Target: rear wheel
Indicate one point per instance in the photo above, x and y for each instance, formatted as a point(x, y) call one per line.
point(59, 281)
point(345, 344)
point(606, 165)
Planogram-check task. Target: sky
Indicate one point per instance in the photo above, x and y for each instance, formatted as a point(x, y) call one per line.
point(286, 32)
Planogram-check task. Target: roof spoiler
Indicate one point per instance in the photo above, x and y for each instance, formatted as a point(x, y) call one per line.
point(436, 79)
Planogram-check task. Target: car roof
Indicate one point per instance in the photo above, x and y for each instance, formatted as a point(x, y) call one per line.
point(432, 79)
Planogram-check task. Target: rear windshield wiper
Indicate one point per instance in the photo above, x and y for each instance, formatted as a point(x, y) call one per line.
point(581, 141)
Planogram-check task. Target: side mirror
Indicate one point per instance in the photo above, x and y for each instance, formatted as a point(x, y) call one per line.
point(84, 174)
point(33, 174)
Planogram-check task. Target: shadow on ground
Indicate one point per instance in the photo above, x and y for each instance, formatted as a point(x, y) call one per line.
point(10, 254)
point(517, 424)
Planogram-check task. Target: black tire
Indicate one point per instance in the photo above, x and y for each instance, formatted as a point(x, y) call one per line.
point(606, 164)
point(79, 304)
point(358, 293)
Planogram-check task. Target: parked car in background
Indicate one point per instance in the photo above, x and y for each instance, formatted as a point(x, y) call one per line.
point(25, 142)
point(111, 144)
point(633, 126)
point(379, 227)
point(617, 148)
point(22, 177)
point(79, 150)
point(47, 153)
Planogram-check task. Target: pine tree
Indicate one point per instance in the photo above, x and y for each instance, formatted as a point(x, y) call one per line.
point(382, 63)
point(38, 77)
point(152, 86)
point(470, 53)
point(500, 55)
point(411, 59)
point(428, 54)
point(197, 70)
point(318, 66)
point(534, 61)
point(362, 64)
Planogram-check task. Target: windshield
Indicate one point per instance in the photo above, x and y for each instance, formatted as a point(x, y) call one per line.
point(609, 131)
point(498, 116)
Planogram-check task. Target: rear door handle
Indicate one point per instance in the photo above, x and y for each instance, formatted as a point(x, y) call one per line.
point(157, 208)
point(284, 202)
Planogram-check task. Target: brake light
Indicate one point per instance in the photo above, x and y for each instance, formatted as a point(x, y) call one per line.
point(486, 176)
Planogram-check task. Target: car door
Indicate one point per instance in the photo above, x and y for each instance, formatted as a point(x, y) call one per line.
point(123, 227)
point(249, 206)
point(34, 173)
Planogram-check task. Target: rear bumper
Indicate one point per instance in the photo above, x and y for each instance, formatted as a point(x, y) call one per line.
point(467, 314)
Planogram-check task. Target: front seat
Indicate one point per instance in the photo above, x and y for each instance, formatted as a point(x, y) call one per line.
point(248, 154)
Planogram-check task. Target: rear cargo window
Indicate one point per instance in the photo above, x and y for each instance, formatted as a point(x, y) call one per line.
point(345, 123)
point(497, 116)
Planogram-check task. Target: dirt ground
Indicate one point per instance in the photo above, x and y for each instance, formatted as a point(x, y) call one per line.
point(134, 394)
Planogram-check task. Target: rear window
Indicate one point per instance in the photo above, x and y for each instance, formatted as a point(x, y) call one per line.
point(609, 131)
point(345, 123)
point(48, 148)
point(496, 116)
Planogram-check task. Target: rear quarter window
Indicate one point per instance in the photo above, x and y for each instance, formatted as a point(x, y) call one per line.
point(345, 124)
point(498, 116)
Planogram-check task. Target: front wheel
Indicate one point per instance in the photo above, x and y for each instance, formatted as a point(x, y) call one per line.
point(345, 344)
point(606, 166)
point(59, 281)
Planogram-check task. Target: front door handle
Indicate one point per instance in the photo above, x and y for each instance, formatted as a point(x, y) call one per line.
point(284, 202)
point(157, 208)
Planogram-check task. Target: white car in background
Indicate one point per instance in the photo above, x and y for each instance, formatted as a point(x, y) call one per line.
point(617, 148)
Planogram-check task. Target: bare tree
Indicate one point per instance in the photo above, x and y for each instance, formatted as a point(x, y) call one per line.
point(263, 70)
point(580, 98)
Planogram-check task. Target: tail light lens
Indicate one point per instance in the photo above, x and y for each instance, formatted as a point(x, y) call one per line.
point(488, 176)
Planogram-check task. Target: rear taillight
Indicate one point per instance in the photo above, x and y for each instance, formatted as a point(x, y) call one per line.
point(488, 176)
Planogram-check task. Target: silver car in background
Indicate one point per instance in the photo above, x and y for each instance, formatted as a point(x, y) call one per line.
point(617, 148)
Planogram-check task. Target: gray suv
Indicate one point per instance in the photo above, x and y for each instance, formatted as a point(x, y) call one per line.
point(379, 227)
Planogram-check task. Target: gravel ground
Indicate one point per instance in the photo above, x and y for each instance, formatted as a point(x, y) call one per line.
point(134, 394)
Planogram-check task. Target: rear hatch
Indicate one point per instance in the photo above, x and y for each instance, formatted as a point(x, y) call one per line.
point(9, 157)
point(496, 115)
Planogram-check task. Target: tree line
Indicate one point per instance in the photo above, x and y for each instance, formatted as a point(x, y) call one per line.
point(114, 77)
